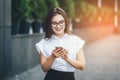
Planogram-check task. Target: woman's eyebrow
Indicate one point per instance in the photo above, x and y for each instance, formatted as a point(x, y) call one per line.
point(58, 21)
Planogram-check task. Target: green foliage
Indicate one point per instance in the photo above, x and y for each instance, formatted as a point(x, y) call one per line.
point(106, 13)
point(25, 10)
point(68, 6)
point(78, 5)
point(39, 9)
point(51, 4)
point(16, 10)
point(85, 11)
point(117, 13)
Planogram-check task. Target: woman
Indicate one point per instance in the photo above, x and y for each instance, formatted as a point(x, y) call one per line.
point(60, 51)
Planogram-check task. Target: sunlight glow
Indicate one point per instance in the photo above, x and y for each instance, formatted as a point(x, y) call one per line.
point(99, 3)
point(115, 21)
point(116, 6)
point(99, 19)
point(116, 17)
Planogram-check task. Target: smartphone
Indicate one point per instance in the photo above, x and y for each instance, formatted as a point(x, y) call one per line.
point(59, 48)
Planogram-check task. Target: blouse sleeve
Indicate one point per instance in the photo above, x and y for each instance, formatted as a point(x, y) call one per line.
point(80, 43)
point(40, 47)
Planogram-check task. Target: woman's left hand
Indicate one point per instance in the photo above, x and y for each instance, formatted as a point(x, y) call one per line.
point(65, 56)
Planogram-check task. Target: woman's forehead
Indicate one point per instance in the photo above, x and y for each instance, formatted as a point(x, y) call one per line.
point(57, 17)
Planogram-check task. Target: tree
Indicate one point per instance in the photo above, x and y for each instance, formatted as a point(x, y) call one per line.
point(51, 4)
point(39, 9)
point(68, 6)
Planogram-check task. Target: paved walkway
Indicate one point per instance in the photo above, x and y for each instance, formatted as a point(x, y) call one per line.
point(102, 61)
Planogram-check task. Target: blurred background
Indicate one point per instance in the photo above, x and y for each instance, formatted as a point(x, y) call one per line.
point(95, 21)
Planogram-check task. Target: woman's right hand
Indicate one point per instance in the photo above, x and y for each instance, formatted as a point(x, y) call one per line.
point(58, 52)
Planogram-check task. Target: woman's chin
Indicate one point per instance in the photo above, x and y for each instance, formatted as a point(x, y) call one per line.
point(59, 33)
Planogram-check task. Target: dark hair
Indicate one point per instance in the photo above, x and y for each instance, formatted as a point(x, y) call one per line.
point(51, 14)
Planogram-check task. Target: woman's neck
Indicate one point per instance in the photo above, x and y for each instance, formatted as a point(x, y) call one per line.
point(59, 35)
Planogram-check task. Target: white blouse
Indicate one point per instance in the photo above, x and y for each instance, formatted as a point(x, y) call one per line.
point(71, 43)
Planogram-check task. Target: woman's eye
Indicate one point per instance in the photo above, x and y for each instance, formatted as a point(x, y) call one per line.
point(61, 22)
point(54, 23)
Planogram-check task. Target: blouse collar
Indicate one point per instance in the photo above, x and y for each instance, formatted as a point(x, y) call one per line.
point(55, 37)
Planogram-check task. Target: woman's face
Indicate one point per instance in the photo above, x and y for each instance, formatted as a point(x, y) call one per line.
point(58, 25)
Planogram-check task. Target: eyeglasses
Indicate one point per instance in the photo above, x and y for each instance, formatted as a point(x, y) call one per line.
point(60, 23)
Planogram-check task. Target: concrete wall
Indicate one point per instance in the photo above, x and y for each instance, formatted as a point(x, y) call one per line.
point(5, 36)
point(24, 54)
point(17, 53)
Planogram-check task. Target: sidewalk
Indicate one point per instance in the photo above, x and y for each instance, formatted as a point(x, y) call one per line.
point(101, 53)
point(33, 74)
point(102, 62)
point(91, 34)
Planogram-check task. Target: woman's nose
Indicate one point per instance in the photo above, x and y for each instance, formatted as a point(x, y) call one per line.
point(58, 26)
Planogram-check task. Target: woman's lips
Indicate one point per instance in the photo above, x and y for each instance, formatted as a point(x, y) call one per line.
point(58, 29)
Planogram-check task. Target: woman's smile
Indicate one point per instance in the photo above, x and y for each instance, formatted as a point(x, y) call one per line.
point(58, 28)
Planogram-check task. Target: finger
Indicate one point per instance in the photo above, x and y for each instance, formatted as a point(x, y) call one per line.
point(58, 49)
point(61, 51)
point(66, 51)
point(62, 54)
